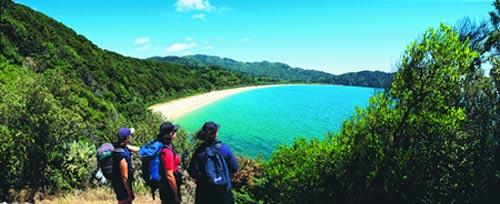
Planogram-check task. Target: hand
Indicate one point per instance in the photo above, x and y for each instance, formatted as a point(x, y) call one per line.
point(134, 149)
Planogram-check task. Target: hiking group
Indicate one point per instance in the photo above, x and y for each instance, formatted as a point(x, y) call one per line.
point(211, 165)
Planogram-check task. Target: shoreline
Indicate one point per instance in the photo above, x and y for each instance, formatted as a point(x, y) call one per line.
point(182, 106)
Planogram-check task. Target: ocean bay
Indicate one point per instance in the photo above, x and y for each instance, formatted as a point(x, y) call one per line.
point(257, 121)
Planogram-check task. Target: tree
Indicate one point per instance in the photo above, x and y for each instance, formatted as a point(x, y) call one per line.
point(35, 127)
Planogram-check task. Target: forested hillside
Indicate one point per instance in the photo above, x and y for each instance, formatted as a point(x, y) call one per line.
point(283, 72)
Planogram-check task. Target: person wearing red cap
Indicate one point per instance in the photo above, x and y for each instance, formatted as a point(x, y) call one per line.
point(211, 166)
point(122, 167)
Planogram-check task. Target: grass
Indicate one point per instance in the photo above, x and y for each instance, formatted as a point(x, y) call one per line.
point(105, 194)
point(94, 196)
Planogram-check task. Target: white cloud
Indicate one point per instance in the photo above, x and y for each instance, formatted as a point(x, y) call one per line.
point(189, 39)
point(245, 39)
point(193, 5)
point(142, 41)
point(177, 47)
point(200, 16)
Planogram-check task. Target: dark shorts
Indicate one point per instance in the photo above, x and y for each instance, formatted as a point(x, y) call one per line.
point(166, 192)
point(120, 191)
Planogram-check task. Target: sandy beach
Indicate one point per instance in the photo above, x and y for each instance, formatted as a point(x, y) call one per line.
point(179, 107)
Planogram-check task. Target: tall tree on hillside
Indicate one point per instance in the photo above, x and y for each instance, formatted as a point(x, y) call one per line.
point(495, 75)
point(495, 60)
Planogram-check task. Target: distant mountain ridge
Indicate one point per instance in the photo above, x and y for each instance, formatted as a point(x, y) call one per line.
point(283, 72)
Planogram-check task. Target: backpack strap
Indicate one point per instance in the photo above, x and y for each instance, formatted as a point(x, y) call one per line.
point(217, 145)
point(119, 150)
point(169, 147)
point(214, 147)
point(153, 193)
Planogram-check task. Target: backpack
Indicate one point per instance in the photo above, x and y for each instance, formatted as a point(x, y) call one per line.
point(214, 168)
point(105, 160)
point(150, 157)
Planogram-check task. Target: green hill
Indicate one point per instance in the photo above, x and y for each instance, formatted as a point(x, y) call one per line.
point(38, 44)
point(34, 40)
point(283, 72)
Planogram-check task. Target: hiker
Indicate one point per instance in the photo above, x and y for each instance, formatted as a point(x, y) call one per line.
point(104, 170)
point(171, 178)
point(122, 167)
point(212, 165)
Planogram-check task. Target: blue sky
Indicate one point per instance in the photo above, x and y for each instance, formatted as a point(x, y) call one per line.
point(335, 36)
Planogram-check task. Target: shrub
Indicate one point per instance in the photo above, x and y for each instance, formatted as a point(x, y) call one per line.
point(78, 165)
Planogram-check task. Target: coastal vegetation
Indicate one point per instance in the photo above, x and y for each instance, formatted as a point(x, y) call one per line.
point(432, 136)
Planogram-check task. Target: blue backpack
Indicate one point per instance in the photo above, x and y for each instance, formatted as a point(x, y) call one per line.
point(150, 157)
point(215, 170)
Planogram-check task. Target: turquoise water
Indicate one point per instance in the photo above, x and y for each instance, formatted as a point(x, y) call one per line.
point(257, 121)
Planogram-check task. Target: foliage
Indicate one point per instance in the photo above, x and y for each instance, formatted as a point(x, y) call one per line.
point(247, 172)
point(244, 181)
point(292, 175)
point(34, 128)
point(495, 75)
point(185, 145)
point(244, 197)
point(75, 173)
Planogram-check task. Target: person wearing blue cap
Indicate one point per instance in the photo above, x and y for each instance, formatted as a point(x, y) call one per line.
point(211, 166)
point(122, 167)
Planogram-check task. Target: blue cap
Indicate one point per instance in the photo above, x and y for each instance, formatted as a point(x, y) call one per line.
point(124, 132)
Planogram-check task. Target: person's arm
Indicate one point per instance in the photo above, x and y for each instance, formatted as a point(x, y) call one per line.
point(232, 164)
point(124, 177)
point(134, 149)
point(171, 180)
